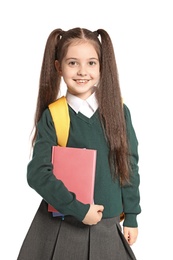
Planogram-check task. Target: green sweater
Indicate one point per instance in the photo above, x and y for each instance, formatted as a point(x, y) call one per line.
point(85, 133)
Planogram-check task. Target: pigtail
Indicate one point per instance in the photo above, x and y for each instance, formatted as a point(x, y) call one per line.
point(49, 83)
point(111, 110)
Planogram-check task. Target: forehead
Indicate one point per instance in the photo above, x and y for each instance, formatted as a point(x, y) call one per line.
point(82, 48)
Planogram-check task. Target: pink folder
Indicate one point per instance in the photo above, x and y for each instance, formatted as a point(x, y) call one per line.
point(76, 168)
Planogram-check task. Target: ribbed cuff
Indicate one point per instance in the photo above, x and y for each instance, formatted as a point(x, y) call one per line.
point(130, 220)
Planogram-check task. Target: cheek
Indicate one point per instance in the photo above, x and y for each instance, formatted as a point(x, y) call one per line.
point(67, 73)
point(64, 73)
point(97, 74)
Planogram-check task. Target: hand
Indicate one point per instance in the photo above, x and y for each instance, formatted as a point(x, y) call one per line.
point(130, 234)
point(94, 215)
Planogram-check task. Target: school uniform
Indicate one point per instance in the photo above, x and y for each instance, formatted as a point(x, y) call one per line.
point(53, 238)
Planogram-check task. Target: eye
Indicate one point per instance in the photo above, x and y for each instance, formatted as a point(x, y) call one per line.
point(92, 63)
point(72, 63)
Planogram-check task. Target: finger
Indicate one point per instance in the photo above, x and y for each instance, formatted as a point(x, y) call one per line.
point(100, 208)
point(126, 237)
point(132, 240)
point(100, 215)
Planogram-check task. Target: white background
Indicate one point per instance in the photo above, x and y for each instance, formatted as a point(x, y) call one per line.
point(141, 32)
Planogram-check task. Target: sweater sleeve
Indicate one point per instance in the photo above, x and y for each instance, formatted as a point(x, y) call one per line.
point(40, 173)
point(130, 192)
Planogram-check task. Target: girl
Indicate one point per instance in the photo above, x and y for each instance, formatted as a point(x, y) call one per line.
point(98, 120)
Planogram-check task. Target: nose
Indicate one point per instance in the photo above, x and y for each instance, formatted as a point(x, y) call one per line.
point(82, 72)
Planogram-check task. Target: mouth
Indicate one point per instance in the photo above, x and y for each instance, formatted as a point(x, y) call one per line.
point(81, 80)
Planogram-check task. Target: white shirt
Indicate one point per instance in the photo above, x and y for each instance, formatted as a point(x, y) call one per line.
point(86, 107)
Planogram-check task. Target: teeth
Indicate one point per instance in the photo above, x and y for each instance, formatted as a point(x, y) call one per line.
point(81, 81)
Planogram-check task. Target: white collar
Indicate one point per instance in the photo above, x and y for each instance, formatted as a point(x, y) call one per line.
point(77, 103)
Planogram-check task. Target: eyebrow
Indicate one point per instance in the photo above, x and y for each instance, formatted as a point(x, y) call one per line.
point(72, 58)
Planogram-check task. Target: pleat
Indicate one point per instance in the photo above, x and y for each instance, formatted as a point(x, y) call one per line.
point(73, 240)
point(51, 238)
point(125, 246)
point(108, 242)
point(40, 240)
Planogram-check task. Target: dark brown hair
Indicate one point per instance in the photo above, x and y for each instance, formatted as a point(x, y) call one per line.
point(108, 92)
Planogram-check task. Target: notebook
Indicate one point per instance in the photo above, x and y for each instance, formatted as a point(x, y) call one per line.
point(76, 168)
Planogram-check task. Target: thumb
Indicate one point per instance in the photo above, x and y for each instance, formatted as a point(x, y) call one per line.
point(126, 234)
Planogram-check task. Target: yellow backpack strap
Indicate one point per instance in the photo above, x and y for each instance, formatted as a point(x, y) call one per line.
point(61, 119)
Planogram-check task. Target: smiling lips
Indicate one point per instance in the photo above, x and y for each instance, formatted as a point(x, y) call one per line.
point(81, 80)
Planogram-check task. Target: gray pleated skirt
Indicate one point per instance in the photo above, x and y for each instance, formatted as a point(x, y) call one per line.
point(51, 238)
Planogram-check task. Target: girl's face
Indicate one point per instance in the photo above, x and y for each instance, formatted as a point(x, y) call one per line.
point(80, 69)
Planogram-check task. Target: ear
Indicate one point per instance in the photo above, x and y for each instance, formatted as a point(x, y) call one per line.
point(58, 67)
